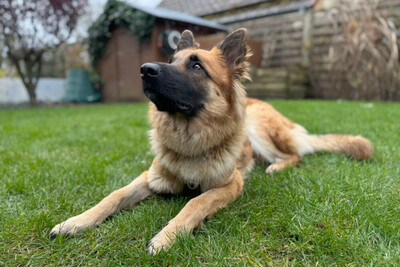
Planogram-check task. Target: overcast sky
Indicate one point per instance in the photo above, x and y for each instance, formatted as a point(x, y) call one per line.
point(96, 8)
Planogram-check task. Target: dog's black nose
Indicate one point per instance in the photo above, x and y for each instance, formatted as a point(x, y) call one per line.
point(150, 69)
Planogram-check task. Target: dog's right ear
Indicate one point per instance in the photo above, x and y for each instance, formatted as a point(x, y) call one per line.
point(186, 41)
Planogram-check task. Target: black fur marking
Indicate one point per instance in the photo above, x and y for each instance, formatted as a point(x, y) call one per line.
point(174, 91)
point(193, 59)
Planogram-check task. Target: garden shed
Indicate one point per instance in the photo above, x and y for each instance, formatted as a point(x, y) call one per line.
point(127, 35)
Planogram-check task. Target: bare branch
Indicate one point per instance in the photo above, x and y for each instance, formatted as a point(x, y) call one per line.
point(29, 28)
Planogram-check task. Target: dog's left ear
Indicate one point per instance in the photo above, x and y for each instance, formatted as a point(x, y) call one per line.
point(186, 41)
point(236, 53)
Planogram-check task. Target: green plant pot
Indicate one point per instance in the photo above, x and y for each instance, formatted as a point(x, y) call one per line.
point(79, 88)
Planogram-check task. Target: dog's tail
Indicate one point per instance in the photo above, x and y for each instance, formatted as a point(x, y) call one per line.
point(356, 147)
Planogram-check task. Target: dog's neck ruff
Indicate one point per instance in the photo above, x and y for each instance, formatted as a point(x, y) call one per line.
point(197, 151)
point(192, 136)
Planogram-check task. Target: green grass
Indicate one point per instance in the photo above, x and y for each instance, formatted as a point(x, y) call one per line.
point(57, 162)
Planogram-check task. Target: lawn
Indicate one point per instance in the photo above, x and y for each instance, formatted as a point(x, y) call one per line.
point(57, 162)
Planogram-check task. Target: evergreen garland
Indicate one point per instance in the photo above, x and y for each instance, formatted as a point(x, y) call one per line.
point(117, 14)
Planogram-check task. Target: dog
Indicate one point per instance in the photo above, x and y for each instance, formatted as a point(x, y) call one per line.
point(207, 134)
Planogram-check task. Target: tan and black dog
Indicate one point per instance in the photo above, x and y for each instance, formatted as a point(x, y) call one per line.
point(206, 133)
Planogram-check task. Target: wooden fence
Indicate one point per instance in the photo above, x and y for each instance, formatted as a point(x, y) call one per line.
point(278, 82)
point(282, 38)
point(304, 39)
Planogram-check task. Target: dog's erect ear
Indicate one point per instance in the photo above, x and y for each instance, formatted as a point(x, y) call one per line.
point(186, 41)
point(236, 52)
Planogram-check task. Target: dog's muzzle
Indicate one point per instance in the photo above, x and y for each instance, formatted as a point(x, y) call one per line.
point(170, 89)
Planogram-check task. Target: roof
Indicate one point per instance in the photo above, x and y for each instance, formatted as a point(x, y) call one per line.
point(207, 7)
point(230, 11)
point(164, 13)
point(265, 12)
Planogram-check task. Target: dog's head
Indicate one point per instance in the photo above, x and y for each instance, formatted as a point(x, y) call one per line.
point(193, 77)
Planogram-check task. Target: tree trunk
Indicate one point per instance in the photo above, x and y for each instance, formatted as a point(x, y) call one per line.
point(32, 94)
point(29, 72)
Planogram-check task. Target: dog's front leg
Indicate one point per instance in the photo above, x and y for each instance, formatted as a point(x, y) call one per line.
point(120, 199)
point(195, 211)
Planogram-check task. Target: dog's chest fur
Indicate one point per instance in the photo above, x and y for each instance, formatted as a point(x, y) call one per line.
point(192, 151)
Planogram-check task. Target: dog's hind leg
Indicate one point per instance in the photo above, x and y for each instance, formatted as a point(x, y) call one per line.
point(195, 211)
point(292, 160)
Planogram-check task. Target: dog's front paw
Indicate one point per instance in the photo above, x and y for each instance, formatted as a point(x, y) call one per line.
point(72, 226)
point(164, 239)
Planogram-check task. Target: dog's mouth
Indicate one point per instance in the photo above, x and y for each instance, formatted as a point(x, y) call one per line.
point(183, 106)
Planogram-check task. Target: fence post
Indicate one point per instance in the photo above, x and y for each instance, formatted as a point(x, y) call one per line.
point(307, 36)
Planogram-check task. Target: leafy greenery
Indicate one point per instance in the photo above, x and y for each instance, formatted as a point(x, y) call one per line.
point(329, 211)
point(117, 14)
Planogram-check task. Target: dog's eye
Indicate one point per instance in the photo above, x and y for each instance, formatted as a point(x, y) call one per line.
point(197, 66)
